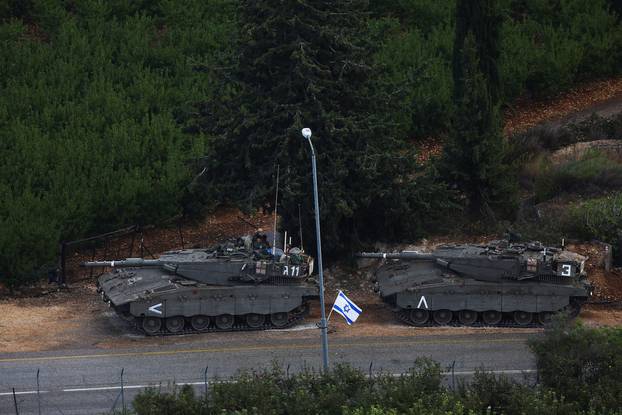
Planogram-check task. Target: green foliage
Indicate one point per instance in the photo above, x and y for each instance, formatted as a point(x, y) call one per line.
point(489, 393)
point(415, 53)
point(545, 48)
point(94, 99)
point(591, 174)
point(306, 64)
point(583, 364)
point(599, 218)
point(181, 401)
point(474, 154)
point(549, 45)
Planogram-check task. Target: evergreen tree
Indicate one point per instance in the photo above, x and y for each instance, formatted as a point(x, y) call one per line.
point(474, 154)
point(306, 63)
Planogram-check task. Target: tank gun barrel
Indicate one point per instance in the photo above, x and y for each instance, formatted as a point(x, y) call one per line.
point(397, 255)
point(129, 262)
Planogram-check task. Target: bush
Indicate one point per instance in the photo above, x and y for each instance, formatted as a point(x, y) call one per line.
point(583, 364)
point(591, 174)
point(489, 393)
point(599, 218)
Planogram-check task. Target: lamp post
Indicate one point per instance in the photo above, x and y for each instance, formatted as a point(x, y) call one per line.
point(306, 133)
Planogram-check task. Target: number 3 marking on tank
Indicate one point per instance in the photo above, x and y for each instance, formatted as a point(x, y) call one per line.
point(156, 308)
point(293, 271)
point(566, 270)
point(423, 301)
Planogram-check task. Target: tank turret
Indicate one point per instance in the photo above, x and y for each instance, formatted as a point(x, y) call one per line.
point(231, 286)
point(491, 284)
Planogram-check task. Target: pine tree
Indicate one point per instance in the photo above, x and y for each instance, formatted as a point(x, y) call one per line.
point(306, 63)
point(474, 154)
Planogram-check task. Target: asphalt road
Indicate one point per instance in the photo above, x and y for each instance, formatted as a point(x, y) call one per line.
point(88, 381)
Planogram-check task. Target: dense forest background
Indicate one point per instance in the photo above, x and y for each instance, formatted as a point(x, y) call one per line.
point(109, 109)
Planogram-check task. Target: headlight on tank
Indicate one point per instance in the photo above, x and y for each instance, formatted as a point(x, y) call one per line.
point(582, 267)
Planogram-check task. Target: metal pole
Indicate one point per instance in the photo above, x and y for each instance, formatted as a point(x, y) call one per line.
point(453, 376)
point(300, 227)
point(15, 402)
point(38, 395)
point(205, 380)
point(276, 205)
point(323, 324)
point(122, 394)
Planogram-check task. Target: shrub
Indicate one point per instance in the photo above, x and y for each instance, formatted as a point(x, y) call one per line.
point(599, 218)
point(593, 173)
point(583, 364)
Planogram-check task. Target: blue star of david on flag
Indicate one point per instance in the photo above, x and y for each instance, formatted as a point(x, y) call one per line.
point(344, 306)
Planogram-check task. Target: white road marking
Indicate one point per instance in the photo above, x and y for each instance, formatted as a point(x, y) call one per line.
point(22, 393)
point(117, 387)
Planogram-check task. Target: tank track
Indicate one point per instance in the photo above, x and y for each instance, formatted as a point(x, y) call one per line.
point(404, 316)
point(237, 326)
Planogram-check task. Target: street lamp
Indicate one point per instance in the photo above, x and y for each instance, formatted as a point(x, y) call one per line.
point(306, 133)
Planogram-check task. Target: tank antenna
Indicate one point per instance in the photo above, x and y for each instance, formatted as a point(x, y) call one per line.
point(300, 227)
point(276, 202)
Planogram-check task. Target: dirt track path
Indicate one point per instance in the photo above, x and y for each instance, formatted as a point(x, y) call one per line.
point(602, 97)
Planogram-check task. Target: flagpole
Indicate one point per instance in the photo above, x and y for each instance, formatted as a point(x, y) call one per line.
point(332, 308)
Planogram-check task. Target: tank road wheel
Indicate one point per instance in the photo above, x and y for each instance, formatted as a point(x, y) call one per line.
point(152, 325)
point(174, 324)
point(279, 319)
point(254, 320)
point(467, 317)
point(442, 317)
point(419, 316)
point(545, 317)
point(199, 322)
point(522, 318)
point(224, 321)
point(492, 317)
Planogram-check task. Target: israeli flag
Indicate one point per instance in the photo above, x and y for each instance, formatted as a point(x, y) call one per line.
point(344, 306)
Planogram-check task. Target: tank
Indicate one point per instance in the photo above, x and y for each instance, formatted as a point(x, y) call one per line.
point(493, 284)
point(239, 285)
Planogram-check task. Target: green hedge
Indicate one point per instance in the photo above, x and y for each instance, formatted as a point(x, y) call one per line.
point(94, 99)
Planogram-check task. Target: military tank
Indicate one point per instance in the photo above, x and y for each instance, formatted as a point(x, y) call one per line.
point(235, 286)
point(499, 283)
